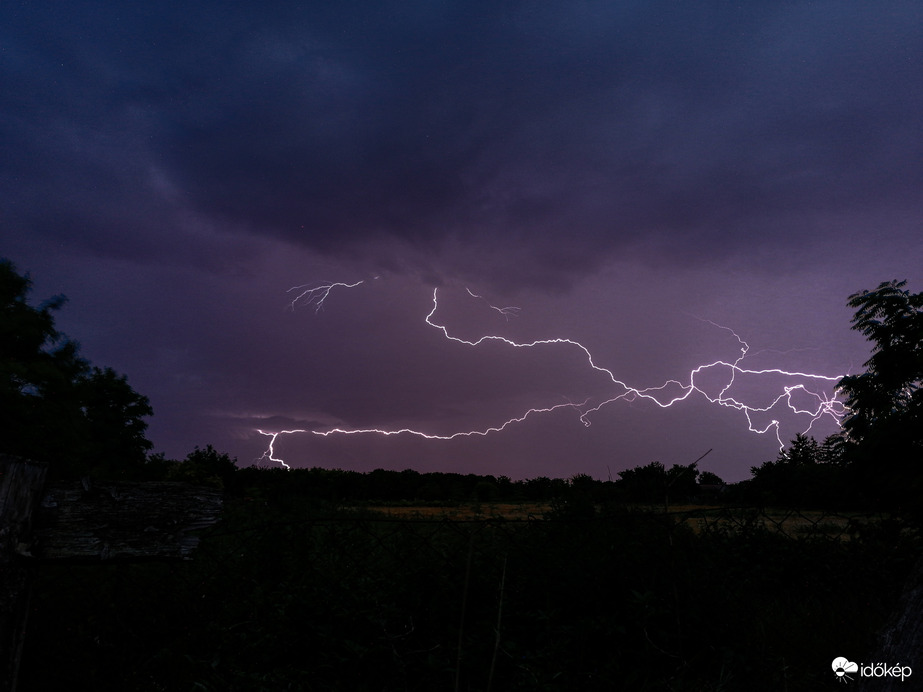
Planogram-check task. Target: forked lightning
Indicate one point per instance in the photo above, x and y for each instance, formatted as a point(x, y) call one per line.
point(824, 404)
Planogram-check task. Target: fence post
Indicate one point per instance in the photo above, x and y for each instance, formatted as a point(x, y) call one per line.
point(21, 483)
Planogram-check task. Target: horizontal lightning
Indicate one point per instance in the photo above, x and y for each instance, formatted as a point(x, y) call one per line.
point(824, 405)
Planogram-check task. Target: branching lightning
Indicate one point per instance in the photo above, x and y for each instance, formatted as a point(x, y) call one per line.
point(270, 450)
point(507, 312)
point(823, 404)
point(316, 295)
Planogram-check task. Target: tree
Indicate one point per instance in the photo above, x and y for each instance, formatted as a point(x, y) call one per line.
point(114, 415)
point(884, 424)
point(38, 372)
point(682, 483)
point(887, 399)
point(803, 451)
point(834, 450)
point(710, 478)
point(654, 483)
point(204, 466)
point(54, 406)
point(643, 483)
point(806, 474)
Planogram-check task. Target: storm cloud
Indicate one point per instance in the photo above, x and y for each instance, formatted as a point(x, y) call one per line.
point(756, 161)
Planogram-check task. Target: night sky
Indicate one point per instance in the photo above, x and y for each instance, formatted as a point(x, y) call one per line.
point(638, 177)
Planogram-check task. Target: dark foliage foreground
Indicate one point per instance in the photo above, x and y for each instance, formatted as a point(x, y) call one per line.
point(293, 596)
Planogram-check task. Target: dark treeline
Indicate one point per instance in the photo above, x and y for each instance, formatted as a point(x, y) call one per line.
point(383, 485)
point(644, 484)
point(807, 474)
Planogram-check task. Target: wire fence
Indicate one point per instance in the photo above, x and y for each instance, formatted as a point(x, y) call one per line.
point(800, 524)
point(303, 598)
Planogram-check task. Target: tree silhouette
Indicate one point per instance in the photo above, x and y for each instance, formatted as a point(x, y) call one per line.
point(113, 416)
point(885, 421)
point(207, 466)
point(803, 450)
point(54, 406)
point(806, 474)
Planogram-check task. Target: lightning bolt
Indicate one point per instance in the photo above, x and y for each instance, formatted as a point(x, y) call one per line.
point(825, 405)
point(316, 294)
point(507, 312)
point(270, 450)
point(273, 436)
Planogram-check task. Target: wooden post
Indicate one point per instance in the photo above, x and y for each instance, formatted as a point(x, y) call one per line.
point(21, 485)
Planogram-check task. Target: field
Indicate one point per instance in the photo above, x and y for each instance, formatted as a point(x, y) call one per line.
point(514, 511)
point(794, 523)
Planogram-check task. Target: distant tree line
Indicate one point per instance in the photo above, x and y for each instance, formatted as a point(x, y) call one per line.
point(645, 484)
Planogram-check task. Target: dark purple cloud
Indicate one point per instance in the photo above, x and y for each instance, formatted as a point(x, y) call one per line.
point(618, 169)
point(329, 127)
